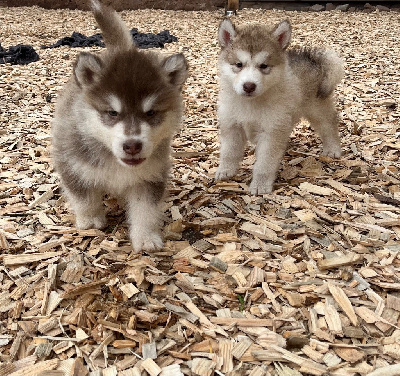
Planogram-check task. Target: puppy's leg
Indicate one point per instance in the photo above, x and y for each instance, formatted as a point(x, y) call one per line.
point(87, 205)
point(324, 119)
point(145, 216)
point(233, 142)
point(270, 148)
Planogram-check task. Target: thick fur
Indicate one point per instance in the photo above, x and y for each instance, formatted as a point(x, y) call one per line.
point(113, 127)
point(232, 6)
point(265, 89)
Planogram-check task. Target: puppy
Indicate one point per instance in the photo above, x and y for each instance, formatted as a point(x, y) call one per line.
point(113, 127)
point(232, 6)
point(264, 91)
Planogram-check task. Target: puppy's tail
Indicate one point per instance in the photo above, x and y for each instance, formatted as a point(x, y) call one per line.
point(333, 73)
point(115, 33)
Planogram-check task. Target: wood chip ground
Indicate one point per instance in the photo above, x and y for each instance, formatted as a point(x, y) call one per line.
point(305, 281)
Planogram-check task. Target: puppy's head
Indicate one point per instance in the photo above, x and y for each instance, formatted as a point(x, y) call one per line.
point(253, 56)
point(134, 99)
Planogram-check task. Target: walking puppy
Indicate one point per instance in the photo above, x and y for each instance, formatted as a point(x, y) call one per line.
point(264, 91)
point(113, 128)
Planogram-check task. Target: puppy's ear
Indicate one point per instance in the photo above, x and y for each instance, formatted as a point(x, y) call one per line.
point(87, 69)
point(176, 67)
point(226, 33)
point(282, 34)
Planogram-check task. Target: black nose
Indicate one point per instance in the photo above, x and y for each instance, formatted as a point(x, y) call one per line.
point(132, 147)
point(249, 87)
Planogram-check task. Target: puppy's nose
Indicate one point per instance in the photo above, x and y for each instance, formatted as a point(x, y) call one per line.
point(132, 147)
point(249, 87)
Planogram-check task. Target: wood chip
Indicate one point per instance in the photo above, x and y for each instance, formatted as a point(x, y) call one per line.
point(203, 367)
point(336, 262)
point(151, 367)
point(302, 281)
point(344, 302)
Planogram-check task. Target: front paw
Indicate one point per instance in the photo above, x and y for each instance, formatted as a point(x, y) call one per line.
point(332, 151)
point(84, 222)
point(261, 184)
point(225, 173)
point(146, 241)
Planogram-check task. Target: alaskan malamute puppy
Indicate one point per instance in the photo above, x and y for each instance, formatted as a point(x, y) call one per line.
point(264, 91)
point(113, 128)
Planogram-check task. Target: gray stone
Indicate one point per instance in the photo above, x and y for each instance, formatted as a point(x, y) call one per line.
point(352, 9)
point(330, 6)
point(368, 6)
point(293, 7)
point(382, 8)
point(343, 7)
point(317, 8)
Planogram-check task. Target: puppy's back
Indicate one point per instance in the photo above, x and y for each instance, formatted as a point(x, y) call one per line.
point(319, 70)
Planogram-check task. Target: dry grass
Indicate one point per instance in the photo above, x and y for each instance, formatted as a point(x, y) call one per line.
point(304, 281)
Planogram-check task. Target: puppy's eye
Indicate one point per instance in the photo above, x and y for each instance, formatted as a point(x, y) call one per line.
point(112, 113)
point(263, 66)
point(239, 65)
point(150, 113)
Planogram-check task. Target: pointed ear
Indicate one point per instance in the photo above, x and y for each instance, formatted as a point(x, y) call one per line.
point(282, 33)
point(226, 33)
point(176, 67)
point(87, 69)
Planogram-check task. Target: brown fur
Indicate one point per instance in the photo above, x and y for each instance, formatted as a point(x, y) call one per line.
point(255, 38)
point(233, 5)
point(309, 64)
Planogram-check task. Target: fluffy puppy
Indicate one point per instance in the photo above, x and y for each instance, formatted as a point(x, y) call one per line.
point(113, 127)
point(265, 89)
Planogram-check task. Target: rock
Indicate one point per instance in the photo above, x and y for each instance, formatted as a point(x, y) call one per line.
point(382, 8)
point(330, 6)
point(352, 9)
point(343, 7)
point(368, 6)
point(293, 7)
point(317, 8)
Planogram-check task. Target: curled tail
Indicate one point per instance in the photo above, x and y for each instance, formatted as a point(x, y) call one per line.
point(333, 73)
point(115, 33)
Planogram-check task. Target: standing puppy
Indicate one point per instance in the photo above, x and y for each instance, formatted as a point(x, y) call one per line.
point(232, 6)
point(113, 127)
point(264, 91)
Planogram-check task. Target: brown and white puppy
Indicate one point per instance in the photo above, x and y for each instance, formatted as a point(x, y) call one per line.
point(113, 128)
point(265, 89)
point(232, 6)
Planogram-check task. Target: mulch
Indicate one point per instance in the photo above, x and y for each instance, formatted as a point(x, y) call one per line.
point(304, 281)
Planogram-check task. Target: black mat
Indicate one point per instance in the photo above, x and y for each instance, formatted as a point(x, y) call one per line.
point(19, 54)
point(142, 40)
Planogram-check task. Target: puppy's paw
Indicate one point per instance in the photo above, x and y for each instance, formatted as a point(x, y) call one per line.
point(261, 184)
point(225, 173)
point(332, 151)
point(85, 222)
point(146, 241)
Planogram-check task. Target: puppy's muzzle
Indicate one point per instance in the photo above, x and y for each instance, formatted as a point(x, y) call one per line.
point(249, 87)
point(132, 147)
